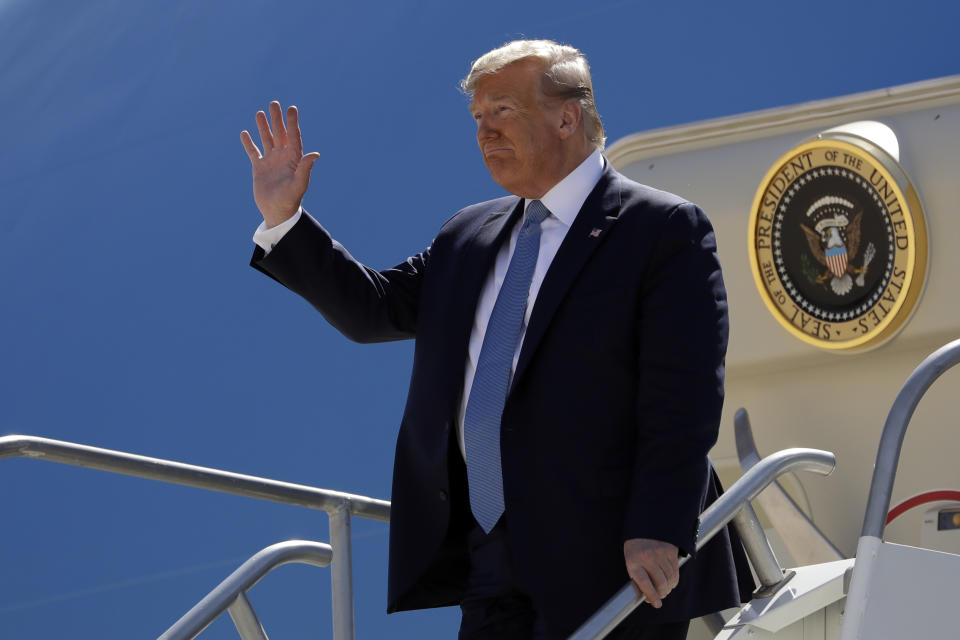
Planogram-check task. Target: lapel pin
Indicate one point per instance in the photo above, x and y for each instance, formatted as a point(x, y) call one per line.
point(595, 233)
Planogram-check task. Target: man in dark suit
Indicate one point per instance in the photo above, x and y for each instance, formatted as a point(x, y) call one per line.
point(568, 369)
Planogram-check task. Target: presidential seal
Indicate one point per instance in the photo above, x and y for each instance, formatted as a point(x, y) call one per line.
point(838, 243)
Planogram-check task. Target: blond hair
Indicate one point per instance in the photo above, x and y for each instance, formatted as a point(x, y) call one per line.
point(566, 76)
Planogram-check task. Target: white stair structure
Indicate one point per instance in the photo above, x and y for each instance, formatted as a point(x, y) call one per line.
point(889, 591)
point(809, 606)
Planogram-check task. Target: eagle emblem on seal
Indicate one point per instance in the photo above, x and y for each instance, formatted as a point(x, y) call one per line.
point(834, 241)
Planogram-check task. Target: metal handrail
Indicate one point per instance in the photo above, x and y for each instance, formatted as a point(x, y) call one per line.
point(231, 593)
point(339, 506)
point(780, 506)
point(79, 455)
point(884, 474)
point(714, 518)
point(894, 430)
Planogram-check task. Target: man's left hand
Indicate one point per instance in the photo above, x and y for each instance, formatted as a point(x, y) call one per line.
point(654, 567)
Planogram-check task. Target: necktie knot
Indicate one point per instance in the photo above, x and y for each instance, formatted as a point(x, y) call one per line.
point(536, 213)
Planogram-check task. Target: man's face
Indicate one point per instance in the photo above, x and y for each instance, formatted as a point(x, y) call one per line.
point(518, 130)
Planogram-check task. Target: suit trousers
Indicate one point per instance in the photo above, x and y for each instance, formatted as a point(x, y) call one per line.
point(496, 607)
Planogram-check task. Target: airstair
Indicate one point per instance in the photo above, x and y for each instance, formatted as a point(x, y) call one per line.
point(844, 599)
point(887, 592)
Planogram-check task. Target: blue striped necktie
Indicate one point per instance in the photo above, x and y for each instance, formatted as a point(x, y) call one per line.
point(481, 422)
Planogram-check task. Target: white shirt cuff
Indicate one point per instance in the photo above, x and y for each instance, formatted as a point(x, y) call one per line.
point(267, 237)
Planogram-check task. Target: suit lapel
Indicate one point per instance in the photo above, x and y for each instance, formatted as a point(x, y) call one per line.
point(589, 229)
point(477, 254)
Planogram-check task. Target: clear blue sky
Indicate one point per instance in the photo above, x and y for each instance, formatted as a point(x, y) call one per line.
point(130, 320)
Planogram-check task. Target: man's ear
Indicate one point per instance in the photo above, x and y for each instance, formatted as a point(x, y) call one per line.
point(571, 117)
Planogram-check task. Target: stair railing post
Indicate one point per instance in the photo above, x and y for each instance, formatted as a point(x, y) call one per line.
point(341, 573)
point(245, 619)
point(761, 555)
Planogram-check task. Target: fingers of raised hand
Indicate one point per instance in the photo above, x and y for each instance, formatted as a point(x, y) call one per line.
point(306, 164)
point(249, 145)
point(276, 119)
point(293, 128)
point(273, 132)
point(266, 137)
point(282, 145)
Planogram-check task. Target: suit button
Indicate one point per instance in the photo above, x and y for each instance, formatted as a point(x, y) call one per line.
point(443, 495)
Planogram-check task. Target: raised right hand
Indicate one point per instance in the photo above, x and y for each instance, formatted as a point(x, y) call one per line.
point(281, 174)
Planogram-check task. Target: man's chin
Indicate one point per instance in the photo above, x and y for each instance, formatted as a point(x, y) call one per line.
point(508, 185)
point(502, 174)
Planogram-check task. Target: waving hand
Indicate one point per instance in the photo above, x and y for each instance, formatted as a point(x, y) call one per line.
point(281, 174)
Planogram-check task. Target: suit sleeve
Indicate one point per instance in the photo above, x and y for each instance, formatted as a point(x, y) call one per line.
point(682, 337)
point(364, 304)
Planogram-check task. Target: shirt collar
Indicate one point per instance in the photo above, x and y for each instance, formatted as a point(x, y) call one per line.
point(565, 198)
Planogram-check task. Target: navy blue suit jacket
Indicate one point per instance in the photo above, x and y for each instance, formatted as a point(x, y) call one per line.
point(614, 404)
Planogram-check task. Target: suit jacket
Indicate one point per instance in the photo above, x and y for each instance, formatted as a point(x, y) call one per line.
point(613, 407)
